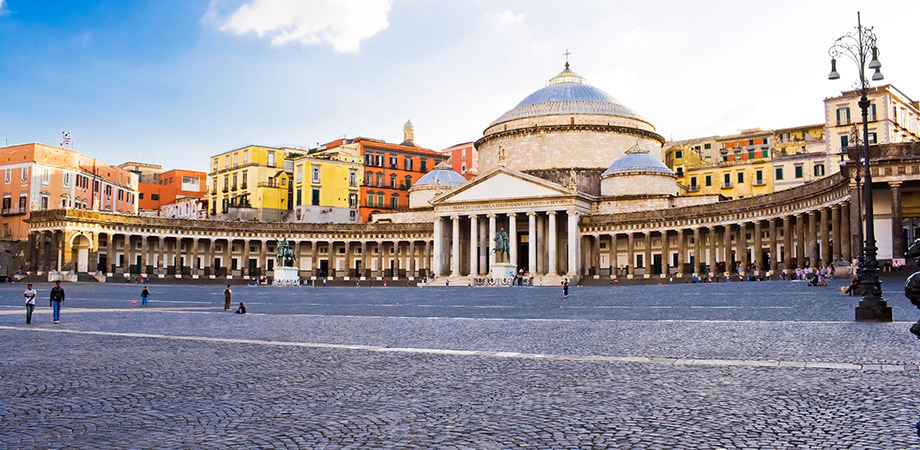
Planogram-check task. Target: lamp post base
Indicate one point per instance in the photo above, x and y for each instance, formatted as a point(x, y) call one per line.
point(878, 311)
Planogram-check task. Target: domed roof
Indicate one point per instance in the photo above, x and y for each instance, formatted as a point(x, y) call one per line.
point(442, 175)
point(568, 93)
point(637, 160)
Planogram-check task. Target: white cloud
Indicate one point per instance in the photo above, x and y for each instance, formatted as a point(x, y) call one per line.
point(505, 18)
point(2, 10)
point(343, 24)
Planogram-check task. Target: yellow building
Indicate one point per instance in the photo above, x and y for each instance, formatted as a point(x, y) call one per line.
point(801, 156)
point(735, 166)
point(251, 182)
point(327, 182)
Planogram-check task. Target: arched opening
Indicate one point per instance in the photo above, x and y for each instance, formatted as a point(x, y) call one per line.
point(80, 246)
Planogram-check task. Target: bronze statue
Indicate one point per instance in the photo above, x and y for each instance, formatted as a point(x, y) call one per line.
point(284, 256)
point(501, 246)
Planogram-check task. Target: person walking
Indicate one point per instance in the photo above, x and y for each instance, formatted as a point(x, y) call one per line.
point(57, 298)
point(145, 295)
point(565, 288)
point(29, 295)
point(227, 296)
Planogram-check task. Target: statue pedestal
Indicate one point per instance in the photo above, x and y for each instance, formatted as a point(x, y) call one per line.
point(286, 276)
point(503, 270)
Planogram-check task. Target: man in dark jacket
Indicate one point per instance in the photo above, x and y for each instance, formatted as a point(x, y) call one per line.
point(57, 298)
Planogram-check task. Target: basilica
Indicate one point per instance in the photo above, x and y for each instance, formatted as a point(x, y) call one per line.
point(573, 177)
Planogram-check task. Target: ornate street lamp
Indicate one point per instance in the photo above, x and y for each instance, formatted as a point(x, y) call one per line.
point(859, 46)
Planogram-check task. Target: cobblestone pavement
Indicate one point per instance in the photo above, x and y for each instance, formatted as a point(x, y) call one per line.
point(478, 369)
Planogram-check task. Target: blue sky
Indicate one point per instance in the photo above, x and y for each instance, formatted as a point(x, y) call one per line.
point(175, 81)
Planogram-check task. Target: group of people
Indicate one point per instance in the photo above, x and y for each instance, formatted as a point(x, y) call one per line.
point(55, 300)
point(228, 296)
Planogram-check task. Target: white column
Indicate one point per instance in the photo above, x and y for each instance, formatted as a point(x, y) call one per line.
point(512, 239)
point(455, 248)
point(532, 242)
point(491, 240)
point(438, 250)
point(483, 246)
point(474, 245)
point(551, 242)
point(573, 244)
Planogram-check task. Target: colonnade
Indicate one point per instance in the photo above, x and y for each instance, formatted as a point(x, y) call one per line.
point(464, 245)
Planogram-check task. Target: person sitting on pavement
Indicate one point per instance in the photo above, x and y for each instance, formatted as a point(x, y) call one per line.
point(241, 309)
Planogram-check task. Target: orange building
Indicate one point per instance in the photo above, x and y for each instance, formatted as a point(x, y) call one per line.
point(38, 177)
point(389, 171)
point(464, 159)
point(170, 186)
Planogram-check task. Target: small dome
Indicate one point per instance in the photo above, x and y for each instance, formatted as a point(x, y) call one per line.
point(637, 160)
point(443, 175)
point(568, 93)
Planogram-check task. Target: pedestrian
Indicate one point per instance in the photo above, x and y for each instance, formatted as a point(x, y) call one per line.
point(145, 294)
point(227, 295)
point(565, 288)
point(241, 309)
point(57, 298)
point(29, 295)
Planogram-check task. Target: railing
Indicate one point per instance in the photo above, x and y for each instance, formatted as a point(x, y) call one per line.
point(13, 211)
point(726, 186)
point(694, 188)
point(759, 183)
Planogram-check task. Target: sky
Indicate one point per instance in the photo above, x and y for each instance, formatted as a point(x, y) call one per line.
point(173, 82)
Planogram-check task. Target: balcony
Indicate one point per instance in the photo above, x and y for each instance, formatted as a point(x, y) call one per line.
point(243, 186)
point(759, 183)
point(13, 211)
point(233, 188)
point(214, 192)
point(225, 189)
point(726, 186)
point(694, 188)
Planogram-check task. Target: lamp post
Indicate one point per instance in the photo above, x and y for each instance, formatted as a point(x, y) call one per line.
point(859, 46)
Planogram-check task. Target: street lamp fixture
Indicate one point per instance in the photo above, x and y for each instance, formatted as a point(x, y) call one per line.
point(859, 46)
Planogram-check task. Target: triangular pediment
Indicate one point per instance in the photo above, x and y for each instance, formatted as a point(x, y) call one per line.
point(503, 184)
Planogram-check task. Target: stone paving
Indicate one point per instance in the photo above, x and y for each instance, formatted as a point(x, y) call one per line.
point(727, 366)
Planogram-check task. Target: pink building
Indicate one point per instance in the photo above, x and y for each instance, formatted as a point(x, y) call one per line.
point(464, 159)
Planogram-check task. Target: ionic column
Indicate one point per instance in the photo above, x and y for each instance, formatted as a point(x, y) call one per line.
point(697, 252)
point(630, 255)
point(757, 252)
point(93, 253)
point(835, 229)
point(741, 248)
point(800, 240)
point(411, 273)
point(455, 247)
point(787, 244)
point(483, 247)
point(713, 247)
point(145, 254)
point(396, 254)
point(129, 253)
point(438, 249)
point(244, 262)
point(774, 248)
point(540, 245)
point(573, 244)
point(897, 221)
point(823, 236)
point(665, 254)
point(727, 245)
point(812, 236)
point(648, 254)
point(613, 255)
point(491, 240)
point(551, 266)
point(532, 242)
point(426, 261)
point(512, 239)
point(474, 245)
point(681, 251)
point(364, 260)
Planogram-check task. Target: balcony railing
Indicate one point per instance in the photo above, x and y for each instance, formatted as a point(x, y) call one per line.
point(13, 211)
point(693, 188)
point(726, 185)
point(760, 183)
point(225, 189)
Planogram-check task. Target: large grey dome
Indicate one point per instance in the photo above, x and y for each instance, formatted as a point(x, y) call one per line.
point(568, 93)
point(637, 160)
point(442, 175)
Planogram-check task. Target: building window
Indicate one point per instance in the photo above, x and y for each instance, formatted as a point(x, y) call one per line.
point(463, 167)
point(380, 200)
point(693, 182)
point(245, 156)
point(798, 171)
point(423, 165)
point(819, 170)
point(315, 172)
point(707, 146)
point(393, 180)
point(226, 182)
point(779, 173)
point(394, 202)
point(353, 178)
point(25, 175)
point(121, 195)
point(236, 159)
point(379, 179)
point(245, 173)
point(728, 179)
point(370, 199)
point(271, 158)
point(873, 138)
point(640, 261)
point(215, 164)
point(393, 162)
point(353, 200)
point(44, 202)
point(844, 141)
point(680, 171)
point(298, 175)
point(234, 182)
point(140, 195)
point(66, 179)
point(155, 197)
point(315, 199)
point(7, 175)
point(108, 191)
point(463, 153)
point(299, 198)
point(872, 113)
point(750, 142)
point(740, 177)
point(408, 163)
point(379, 160)
point(708, 180)
point(227, 162)
point(678, 154)
point(23, 202)
point(843, 116)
